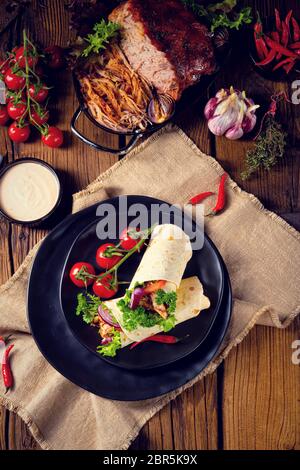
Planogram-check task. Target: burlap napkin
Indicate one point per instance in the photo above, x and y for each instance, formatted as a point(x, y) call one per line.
point(262, 254)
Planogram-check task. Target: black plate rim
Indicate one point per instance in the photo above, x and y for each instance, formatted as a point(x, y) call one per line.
point(215, 313)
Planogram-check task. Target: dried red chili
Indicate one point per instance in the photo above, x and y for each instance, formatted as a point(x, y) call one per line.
point(6, 369)
point(221, 201)
point(296, 30)
point(270, 57)
point(166, 339)
point(279, 48)
point(200, 197)
point(261, 47)
point(278, 21)
point(289, 60)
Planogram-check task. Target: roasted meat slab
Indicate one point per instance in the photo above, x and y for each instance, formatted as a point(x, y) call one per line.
point(165, 43)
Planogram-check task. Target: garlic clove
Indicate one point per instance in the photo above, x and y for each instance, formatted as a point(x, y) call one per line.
point(234, 133)
point(210, 107)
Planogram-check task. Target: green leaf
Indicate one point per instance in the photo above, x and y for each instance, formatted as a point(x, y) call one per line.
point(167, 298)
point(111, 348)
point(87, 306)
point(103, 32)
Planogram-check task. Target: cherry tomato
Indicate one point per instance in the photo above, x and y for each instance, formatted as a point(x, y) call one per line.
point(104, 287)
point(55, 57)
point(127, 238)
point(17, 133)
point(14, 81)
point(4, 66)
point(39, 93)
point(54, 137)
point(39, 118)
point(16, 111)
point(20, 57)
point(83, 267)
point(154, 286)
point(4, 117)
point(104, 261)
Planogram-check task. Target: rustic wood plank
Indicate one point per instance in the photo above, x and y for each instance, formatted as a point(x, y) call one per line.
point(261, 386)
point(77, 163)
point(261, 392)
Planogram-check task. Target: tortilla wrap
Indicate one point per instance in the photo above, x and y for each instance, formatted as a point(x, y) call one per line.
point(190, 302)
point(166, 257)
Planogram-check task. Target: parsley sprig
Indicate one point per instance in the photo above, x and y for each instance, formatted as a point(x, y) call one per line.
point(221, 14)
point(103, 32)
point(87, 306)
point(167, 298)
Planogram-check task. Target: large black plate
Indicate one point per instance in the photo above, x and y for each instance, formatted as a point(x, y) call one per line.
point(205, 263)
point(62, 349)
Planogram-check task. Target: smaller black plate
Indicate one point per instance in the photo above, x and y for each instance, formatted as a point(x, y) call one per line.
point(205, 263)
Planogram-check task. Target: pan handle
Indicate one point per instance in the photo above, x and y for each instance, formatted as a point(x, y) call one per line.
point(120, 151)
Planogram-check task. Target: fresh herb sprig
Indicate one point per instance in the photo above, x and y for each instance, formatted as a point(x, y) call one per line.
point(167, 298)
point(269, 148)
point(132, 319)
point(103, 32)
point(87, 306)
point(221, 14)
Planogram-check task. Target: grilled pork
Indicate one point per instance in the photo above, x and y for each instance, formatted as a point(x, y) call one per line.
point(165, 43)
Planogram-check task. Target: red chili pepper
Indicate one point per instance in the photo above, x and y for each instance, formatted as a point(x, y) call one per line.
point(221, 196)
point(167, 339)
point(270, 57)
point(200, 197)
point(275, 36)
point(295, 45)
point(283, 62)
point(278, 21)
point(279, 48)
point(296, 29)
point(288, 18)
point(285, 34)
point(289, 67)
point(6, 369)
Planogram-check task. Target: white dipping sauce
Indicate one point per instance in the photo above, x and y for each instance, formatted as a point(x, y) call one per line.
point(28, 191)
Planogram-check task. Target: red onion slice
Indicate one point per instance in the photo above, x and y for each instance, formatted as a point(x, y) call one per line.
point(105, 341)
point(136, 296)
point(105, 315)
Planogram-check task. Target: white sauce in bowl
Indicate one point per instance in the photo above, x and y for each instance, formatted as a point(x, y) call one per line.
point(28, 191)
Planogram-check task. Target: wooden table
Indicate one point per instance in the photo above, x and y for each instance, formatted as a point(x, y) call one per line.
point(252, 400)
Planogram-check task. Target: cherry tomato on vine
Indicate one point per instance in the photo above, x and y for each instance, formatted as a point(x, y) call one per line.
point(20, 57)
point(4, 117)
point(4, 66)
point(13, 80)
point(39, 94)
point(39, 118)
point(16, 111)
point(17, 133)
point(105, 287)
point(129, 238)
point(81, 267)
point(105, 257)
point(54, 137)
point(55, 57)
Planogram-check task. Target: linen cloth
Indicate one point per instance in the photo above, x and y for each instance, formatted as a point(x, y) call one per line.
point(262, 254)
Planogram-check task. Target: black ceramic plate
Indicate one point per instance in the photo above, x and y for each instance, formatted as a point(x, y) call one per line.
point(205, 263)
point(74, 361)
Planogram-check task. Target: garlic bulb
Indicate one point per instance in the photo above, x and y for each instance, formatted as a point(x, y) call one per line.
point(230, 113)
